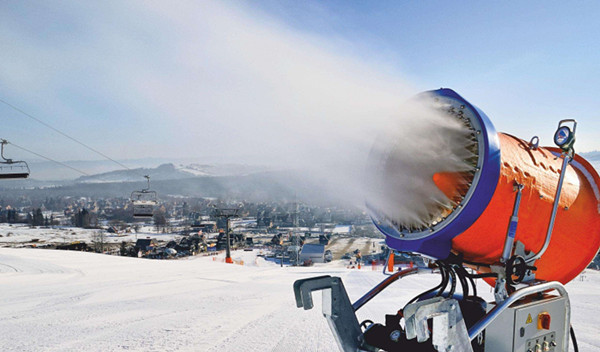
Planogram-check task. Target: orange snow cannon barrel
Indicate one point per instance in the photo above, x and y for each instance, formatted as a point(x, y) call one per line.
point(502, 204)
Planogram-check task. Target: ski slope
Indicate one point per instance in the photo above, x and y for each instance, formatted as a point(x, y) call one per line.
point(74, 301)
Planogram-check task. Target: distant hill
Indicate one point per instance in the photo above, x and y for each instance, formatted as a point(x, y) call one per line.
point(257, 187)
point(255, 183)
point(162, 172)
point(49, 171)
point(170, 171)
point(252, 183)
point(42, 170)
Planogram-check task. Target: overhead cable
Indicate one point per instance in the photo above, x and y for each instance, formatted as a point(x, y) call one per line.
point(63, 134)
point(49, 159)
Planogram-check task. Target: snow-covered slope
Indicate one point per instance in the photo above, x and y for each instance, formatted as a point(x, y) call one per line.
point(162, 172)
point(196, 169)
point(73, 301)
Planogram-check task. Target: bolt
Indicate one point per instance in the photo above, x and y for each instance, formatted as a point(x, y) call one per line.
point(395, 335)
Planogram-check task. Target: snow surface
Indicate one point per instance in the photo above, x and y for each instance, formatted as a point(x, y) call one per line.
point(75, 301)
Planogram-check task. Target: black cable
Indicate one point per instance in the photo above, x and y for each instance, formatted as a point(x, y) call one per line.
point(428, 291)
point(450, 273)
point(458, 261)
point(574, 339)
point(462, 279)
point(472, 282)
point(465, 275)
point(63, 134)
point(52, 160)
point(366, 323)
point(481, 276)
point(446, 278)
point(447, 275)
point(476, 264)
point(414, 299)
point(453, 278)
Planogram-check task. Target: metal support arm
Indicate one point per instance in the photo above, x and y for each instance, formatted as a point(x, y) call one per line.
point(340, 313)
point(337, 309)
point(567, 159)
point(382, 285)
point(512, 227)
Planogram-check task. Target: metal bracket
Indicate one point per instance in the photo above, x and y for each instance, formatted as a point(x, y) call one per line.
point(520, 251)
point(500, 292)
point(337, 309)
point(534, 143)
point(449, 329)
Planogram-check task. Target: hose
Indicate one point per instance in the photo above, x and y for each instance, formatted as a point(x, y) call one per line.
point(453, 278)
point(439, 286)
point(574, 339)
point(446, 278)
point(462, 279)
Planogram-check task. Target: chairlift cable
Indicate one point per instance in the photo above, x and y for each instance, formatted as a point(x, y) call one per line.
point(49, 159)
point(63, 134)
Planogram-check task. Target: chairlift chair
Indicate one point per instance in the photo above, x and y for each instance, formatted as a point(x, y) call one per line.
point(11, 169)
point(144, 201)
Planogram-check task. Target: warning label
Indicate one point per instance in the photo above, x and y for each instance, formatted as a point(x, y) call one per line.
point(529, 320)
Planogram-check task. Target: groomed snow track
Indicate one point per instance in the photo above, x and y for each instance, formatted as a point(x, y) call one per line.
point(73, 301)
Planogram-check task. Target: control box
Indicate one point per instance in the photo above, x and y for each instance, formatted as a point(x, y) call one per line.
point(538, 324)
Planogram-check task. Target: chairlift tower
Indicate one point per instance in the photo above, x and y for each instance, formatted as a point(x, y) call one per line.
point(227, 213)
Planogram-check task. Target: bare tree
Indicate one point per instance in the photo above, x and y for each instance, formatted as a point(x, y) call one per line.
point(160, 220)
point(99, 239)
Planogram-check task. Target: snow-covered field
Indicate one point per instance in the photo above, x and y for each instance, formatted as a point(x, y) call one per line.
point(75, 301)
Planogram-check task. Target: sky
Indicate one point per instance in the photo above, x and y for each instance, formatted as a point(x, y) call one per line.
point(284, 81)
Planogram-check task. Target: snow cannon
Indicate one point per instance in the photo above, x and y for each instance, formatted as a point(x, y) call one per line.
point(481, 205)
point(509, 199)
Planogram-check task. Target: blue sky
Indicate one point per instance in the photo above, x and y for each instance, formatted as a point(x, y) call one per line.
point(256, 80)
point(528, 64)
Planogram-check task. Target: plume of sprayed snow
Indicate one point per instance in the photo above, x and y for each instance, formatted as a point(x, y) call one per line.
point(222, 83)
point(421, 142)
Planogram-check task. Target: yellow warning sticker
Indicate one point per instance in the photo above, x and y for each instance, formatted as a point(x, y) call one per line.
point(529, 320)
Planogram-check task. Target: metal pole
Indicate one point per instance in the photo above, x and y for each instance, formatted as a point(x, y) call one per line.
point(563, 171)
point(227, 250)
point(512, 227)
point(227, 214)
